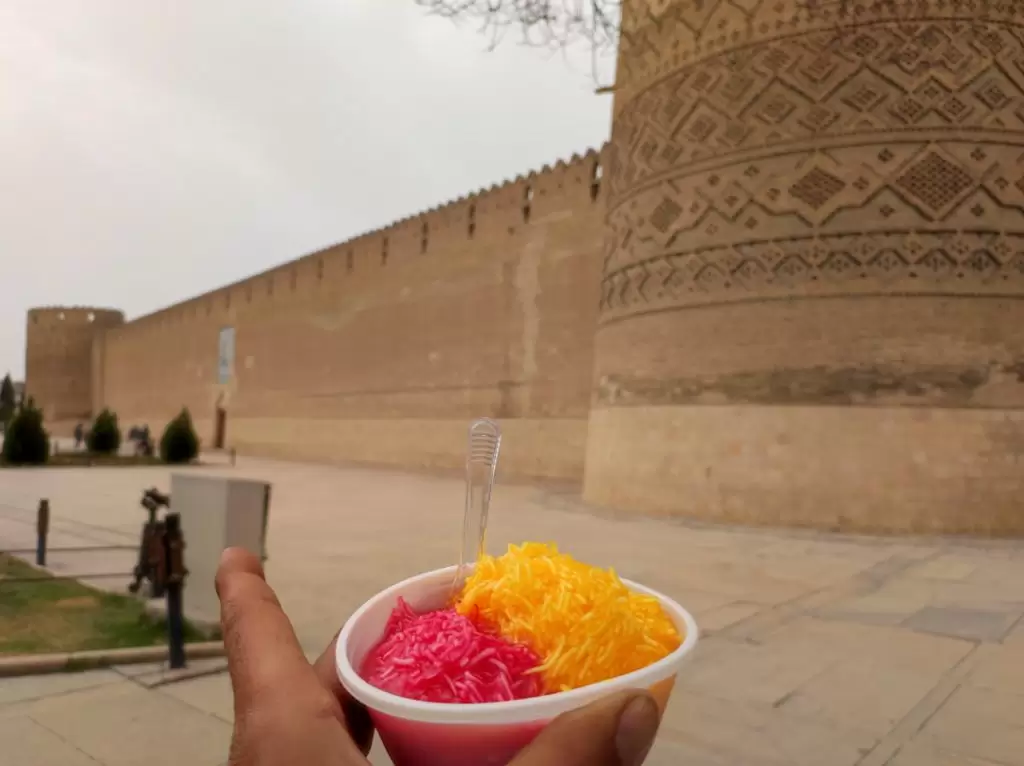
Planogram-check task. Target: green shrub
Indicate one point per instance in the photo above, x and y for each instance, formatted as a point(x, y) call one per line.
point(179, 444)
point(25, 440)
point(8, 401)
point(105, 436)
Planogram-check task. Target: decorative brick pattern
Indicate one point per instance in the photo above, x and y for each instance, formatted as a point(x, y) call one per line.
point(778, 128)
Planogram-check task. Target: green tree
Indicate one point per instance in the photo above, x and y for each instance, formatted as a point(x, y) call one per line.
point(179, 443)
point(105, 436)
point(25, 440)
point(7, 400)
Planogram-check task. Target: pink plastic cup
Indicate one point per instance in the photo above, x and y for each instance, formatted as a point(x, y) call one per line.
point(434, 734)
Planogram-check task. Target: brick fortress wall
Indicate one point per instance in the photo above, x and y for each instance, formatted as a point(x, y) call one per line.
point(380, 349)
point(59, 372)
point(795, 300)
point(811, 312)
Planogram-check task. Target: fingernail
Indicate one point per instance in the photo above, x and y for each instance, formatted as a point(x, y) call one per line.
point(638, 725)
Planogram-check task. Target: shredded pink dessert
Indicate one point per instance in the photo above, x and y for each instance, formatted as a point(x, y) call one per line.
point(443, 657)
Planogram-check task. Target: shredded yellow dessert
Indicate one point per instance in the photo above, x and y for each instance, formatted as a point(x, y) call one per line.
point(583, 622)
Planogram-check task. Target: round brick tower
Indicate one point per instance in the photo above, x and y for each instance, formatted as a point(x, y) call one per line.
point(811, 310)
point(58, 359)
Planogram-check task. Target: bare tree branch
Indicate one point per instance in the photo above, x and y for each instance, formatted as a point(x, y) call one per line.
point(559, 23)
point(546, 23)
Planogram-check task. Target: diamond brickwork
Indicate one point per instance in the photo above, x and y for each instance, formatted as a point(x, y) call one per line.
point(777, 147)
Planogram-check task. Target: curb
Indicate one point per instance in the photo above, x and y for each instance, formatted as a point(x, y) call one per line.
point(158, 610)
point(73, 662)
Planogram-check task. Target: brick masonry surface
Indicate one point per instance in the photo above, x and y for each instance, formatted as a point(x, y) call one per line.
point(788, 291)
point(811, 297)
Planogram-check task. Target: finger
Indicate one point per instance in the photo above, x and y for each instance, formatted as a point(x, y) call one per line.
point(327, 671)
point(262, 650)
point(358, 720)
point(617, 731)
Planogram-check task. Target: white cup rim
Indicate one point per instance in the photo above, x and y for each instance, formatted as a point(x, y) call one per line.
point(516, 711)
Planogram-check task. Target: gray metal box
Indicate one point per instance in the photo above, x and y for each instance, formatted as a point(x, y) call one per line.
point(216, 513)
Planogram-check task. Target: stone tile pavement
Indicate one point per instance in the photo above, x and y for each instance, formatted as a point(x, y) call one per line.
point(816, 649)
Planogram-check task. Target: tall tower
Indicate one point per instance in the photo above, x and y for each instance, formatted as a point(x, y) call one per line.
point(58, 359)
point(811, 309)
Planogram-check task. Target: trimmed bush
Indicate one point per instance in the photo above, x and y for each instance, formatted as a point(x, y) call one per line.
point(105, 436)
point(25, 440)
point(179, 444)
point(8, 401)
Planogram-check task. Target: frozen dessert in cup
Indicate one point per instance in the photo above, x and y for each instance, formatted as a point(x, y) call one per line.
point(426, 733)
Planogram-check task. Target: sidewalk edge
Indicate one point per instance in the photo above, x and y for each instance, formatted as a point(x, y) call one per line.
point(73, 662)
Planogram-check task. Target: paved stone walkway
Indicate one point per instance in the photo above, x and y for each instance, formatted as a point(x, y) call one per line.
point(816, 649)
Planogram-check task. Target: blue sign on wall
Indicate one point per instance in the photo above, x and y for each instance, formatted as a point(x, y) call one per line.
point(226, 354)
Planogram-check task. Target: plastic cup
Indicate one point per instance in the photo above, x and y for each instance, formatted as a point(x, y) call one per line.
point(436, 734)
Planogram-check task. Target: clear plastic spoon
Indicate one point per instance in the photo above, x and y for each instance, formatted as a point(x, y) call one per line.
point(481, 465)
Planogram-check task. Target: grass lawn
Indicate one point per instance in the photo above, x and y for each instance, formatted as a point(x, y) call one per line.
point(73, 459)
point(88, 459)
point(65, 616)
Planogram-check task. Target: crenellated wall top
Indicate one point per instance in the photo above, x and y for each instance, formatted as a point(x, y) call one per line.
point(522, 200)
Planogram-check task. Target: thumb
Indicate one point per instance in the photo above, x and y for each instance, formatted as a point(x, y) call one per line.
point(616, 731)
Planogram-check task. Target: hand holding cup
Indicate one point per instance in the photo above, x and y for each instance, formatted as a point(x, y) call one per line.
point(288, 711)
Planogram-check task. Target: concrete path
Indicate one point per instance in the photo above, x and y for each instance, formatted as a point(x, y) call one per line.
point(816, 649)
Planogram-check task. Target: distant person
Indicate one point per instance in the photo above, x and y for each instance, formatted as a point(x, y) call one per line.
point(79, 435)
point(143, 444)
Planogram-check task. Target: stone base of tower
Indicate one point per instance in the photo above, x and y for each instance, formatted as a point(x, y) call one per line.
point(863, 469)
point(812, 307)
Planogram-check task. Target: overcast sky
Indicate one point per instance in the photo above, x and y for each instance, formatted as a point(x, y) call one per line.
point(150, 151)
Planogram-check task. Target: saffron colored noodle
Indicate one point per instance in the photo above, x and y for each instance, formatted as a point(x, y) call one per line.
point(583, 622)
